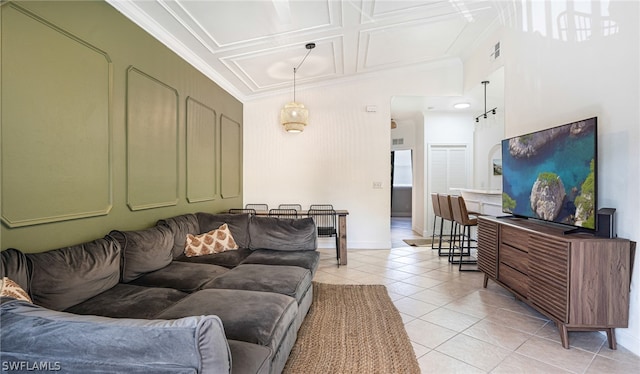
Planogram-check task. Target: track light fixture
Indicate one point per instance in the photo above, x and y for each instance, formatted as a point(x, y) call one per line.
point(490, 111)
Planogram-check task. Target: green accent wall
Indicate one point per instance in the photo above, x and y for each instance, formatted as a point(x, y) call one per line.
point(103, 127)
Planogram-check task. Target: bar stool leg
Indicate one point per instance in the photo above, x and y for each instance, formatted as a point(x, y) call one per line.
point(467, 262)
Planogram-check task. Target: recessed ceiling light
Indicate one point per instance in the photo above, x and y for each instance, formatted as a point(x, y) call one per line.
point(461, 105)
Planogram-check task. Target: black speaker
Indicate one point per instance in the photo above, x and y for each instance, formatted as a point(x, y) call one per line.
point(605, 225)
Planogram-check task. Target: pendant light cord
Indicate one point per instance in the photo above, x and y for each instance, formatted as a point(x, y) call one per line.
point(309, 47)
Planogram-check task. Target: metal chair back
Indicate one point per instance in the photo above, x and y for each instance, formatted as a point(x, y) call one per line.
point(258, 207)
point(283, 213)
point(325, 220)
point(321, 207)
point(297, 207)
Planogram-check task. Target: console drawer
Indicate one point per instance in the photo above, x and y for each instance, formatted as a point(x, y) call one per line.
point(515, 258)
point(514, 237)
point(514, 279)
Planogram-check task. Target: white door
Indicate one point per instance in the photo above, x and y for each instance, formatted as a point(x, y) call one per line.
point(448, 167)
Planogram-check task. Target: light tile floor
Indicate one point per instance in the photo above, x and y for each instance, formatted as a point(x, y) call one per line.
point(456, 326)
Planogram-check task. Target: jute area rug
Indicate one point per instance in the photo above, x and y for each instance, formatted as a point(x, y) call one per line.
point(352, 329)
point(418, 242)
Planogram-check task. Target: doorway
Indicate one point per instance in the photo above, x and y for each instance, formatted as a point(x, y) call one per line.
point(401, 183)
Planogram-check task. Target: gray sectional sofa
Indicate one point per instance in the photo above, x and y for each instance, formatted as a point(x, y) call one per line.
point(133, 302)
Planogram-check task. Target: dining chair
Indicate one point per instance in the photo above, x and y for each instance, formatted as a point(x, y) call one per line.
point(297, 207)
point(321, 207)
point(326, 226)
point(283, 213)
point(258, 207)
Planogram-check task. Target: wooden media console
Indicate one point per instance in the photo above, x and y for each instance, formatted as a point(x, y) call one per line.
point(579, 281)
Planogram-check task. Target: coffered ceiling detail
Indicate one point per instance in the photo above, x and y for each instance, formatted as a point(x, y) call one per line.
point(250, 47)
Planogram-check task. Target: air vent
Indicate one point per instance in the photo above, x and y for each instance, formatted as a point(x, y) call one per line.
point(397, 141)
point(496, 52)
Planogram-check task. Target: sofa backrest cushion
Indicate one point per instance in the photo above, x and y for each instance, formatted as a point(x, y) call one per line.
point(283, 234)
point(181, 226)
point(91, 344)
point(144, 251)
point(67, 276)
point(238, 225)
point(16, 266)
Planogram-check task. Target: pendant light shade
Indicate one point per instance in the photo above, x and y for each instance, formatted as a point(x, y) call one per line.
point(294, 115)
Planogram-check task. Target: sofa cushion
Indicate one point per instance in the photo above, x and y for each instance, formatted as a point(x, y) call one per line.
point(144, 251)
point(238, 225)
point(90, 344)
point(181, 226)
point(183, 276)
point(214, 241)
point(304, 259)
point(67, 276)
point(249, 358)
point(255, 317)
point(17, 267)
point(286, 280)
point(283, 234)
point(129, 301)
point(228, 259)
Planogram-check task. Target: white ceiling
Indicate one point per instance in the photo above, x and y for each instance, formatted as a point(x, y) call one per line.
point(250, 47)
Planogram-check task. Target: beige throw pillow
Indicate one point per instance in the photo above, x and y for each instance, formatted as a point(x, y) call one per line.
point(214, 241)
point(10, 288)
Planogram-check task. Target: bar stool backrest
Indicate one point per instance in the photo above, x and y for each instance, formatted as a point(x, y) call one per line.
point(462, 216)
point(445, 207)
point(436, 205)
point(455, 210)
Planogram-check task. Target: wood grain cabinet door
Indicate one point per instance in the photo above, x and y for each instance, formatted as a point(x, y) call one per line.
point(488, 248)
point(549, 275)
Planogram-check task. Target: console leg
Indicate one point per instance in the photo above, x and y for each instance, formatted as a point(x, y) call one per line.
point(564, 335)
point(486, 281)
point(611, 338)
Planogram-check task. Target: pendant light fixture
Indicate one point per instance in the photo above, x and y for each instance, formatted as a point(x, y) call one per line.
point(490, 111)
point(294, 115)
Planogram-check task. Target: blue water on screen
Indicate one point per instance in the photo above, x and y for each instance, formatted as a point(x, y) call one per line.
point(567, 156)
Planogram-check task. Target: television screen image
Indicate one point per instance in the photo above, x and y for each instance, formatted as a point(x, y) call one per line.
point(551, 174)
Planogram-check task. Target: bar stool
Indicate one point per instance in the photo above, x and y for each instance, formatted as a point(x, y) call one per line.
point(436, 215)
point(465, 222)
point(446, 214)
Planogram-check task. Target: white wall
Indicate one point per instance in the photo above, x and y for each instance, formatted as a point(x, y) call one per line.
point(341, 153)
point(551, 80)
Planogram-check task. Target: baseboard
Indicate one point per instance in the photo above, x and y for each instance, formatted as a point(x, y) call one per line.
point(625, 339)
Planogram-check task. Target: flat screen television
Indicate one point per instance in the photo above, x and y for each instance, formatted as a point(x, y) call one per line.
point(552, 175)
